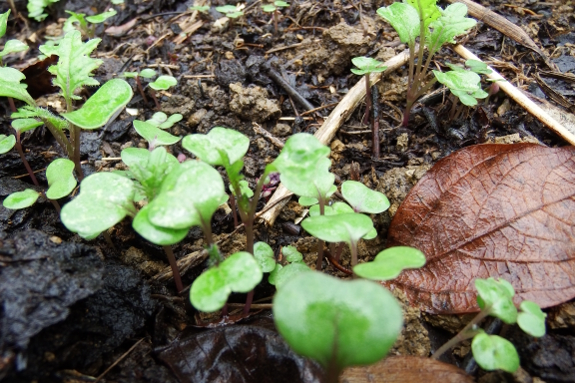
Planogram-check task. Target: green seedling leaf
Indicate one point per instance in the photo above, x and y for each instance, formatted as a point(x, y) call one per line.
point(36, 8)
point(307, 201)
point(429, 11)
point(493, 352)
point(283, 274)
point(4, 22)
point(163, 83)
point(531, 319)
point(281, 4)
point(244, 189)
point(135, 157)
point(22, 125)
point(226, 8)
point(218, 144)
point(60, 175)
point(371, 234)
point(291, 254)
point(335, 208)
point(158, 235)
point(148, 73)
point(34, 111)
point(235, 15)
point(362, 199)
point(75, 18)
point(455, 67)
point(389, 263)
point(158, 118)
point(189, 196)
point(21, 200)
point(330, 320)
point(104, 200)
point(478, 67)
point(404, 19)
point(367, 65)
point(174, 118)
point(200, 8)
point(154, 135)
point(239, 273)
point(497, 297)
point(13, 46)
point(264, 255)
point(100, 18)
point(10, 85)
point(452, 23)
point(75, 66)
point(463, 84)
point(6, 143)
point(117, 2)
point(304, 166)
point(269, 8)
point(104, 105)
point(347, 228)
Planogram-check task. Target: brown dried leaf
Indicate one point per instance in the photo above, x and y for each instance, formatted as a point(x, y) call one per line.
point(406, 369)
point(502, 211)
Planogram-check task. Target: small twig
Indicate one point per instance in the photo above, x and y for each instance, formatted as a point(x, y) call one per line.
point(256, 306)
point(319, 108)
point(273, 139)
point(118, 360)
point(283, 48)
point(288, 88)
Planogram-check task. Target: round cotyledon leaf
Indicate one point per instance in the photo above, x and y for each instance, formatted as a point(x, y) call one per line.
point(163, 83)
point(21, 200)
point(347, 228)
point(216, 145)
point(328, 319)
point(497, 297)
point(264, 255)
point(60, 178)
point(238, 273)
point(104, 200)
point(362, 199)
point(531, 319)
point(156, 234)
point(155, 136)
point(6, 143)
point(493, 352)
point(389, 263)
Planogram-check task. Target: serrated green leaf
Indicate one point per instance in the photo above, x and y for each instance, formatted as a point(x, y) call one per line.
point(60, 175)
point(36, 8)
point(362, 199)
point(75, 18)
point(493, 352)
point(404, 19)
point(6, 143)
point(218, 144)
point(346, 323)
point(264, 255)
point(427, 10)
point(13, 46)
point(10, 85)
point(156, 234)
point(104, 200)
point(189, 196)
point(4, 22)
point(75, 66)
point(497, 297)
point(163, 83)
point(531, 319)
point(100, 18)
point(105, 104)
point(238, 273)
point(452, 23)
point(154, 135)
point(30, 111)
point(478, 67)
point(21, 200)
point(24, 124)
point(389, 263)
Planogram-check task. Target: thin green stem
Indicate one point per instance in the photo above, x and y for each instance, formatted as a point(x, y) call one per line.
point(468, 331)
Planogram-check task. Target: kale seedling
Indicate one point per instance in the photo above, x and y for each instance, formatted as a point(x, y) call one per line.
point(231, 11)
point(146, 73)
point(367, 65)
point(434, 27)
point(284, 273)
point(82, 21)
point(338, 323)
point(274, 8)
point(389, 263)
point(162, 83)
point(200, 8)
point(11, 46)
point(493, 352)
point(36, 8)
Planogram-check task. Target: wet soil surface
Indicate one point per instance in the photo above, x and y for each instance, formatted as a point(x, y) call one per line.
point(71, 309)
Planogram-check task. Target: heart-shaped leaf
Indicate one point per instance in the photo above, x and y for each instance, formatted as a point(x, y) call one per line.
point(501, 211)
point(189, 196)
point(60, 175)
point(154, 135)
point(159, 235)
point(21, 200)
point(348, 228)
point(283, 274)
point(164, 83)
point(239, 273)
point(291, 254)
point(362, 199)
point(367, 65)
point(13, 46)
point(104, 105)
point(493, 352)
point(389, 263)
point(6, 143)
point(264, 255)
point(531, 319)
point(104, 200)
point(218, 144)
point(101, 17)
point(331, 320)
point(497, 298)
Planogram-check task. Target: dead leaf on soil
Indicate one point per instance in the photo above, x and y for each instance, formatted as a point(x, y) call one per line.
point(502, 211)
point(406, 369)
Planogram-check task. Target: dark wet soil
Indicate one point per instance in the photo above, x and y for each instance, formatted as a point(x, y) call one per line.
point(70, 308)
